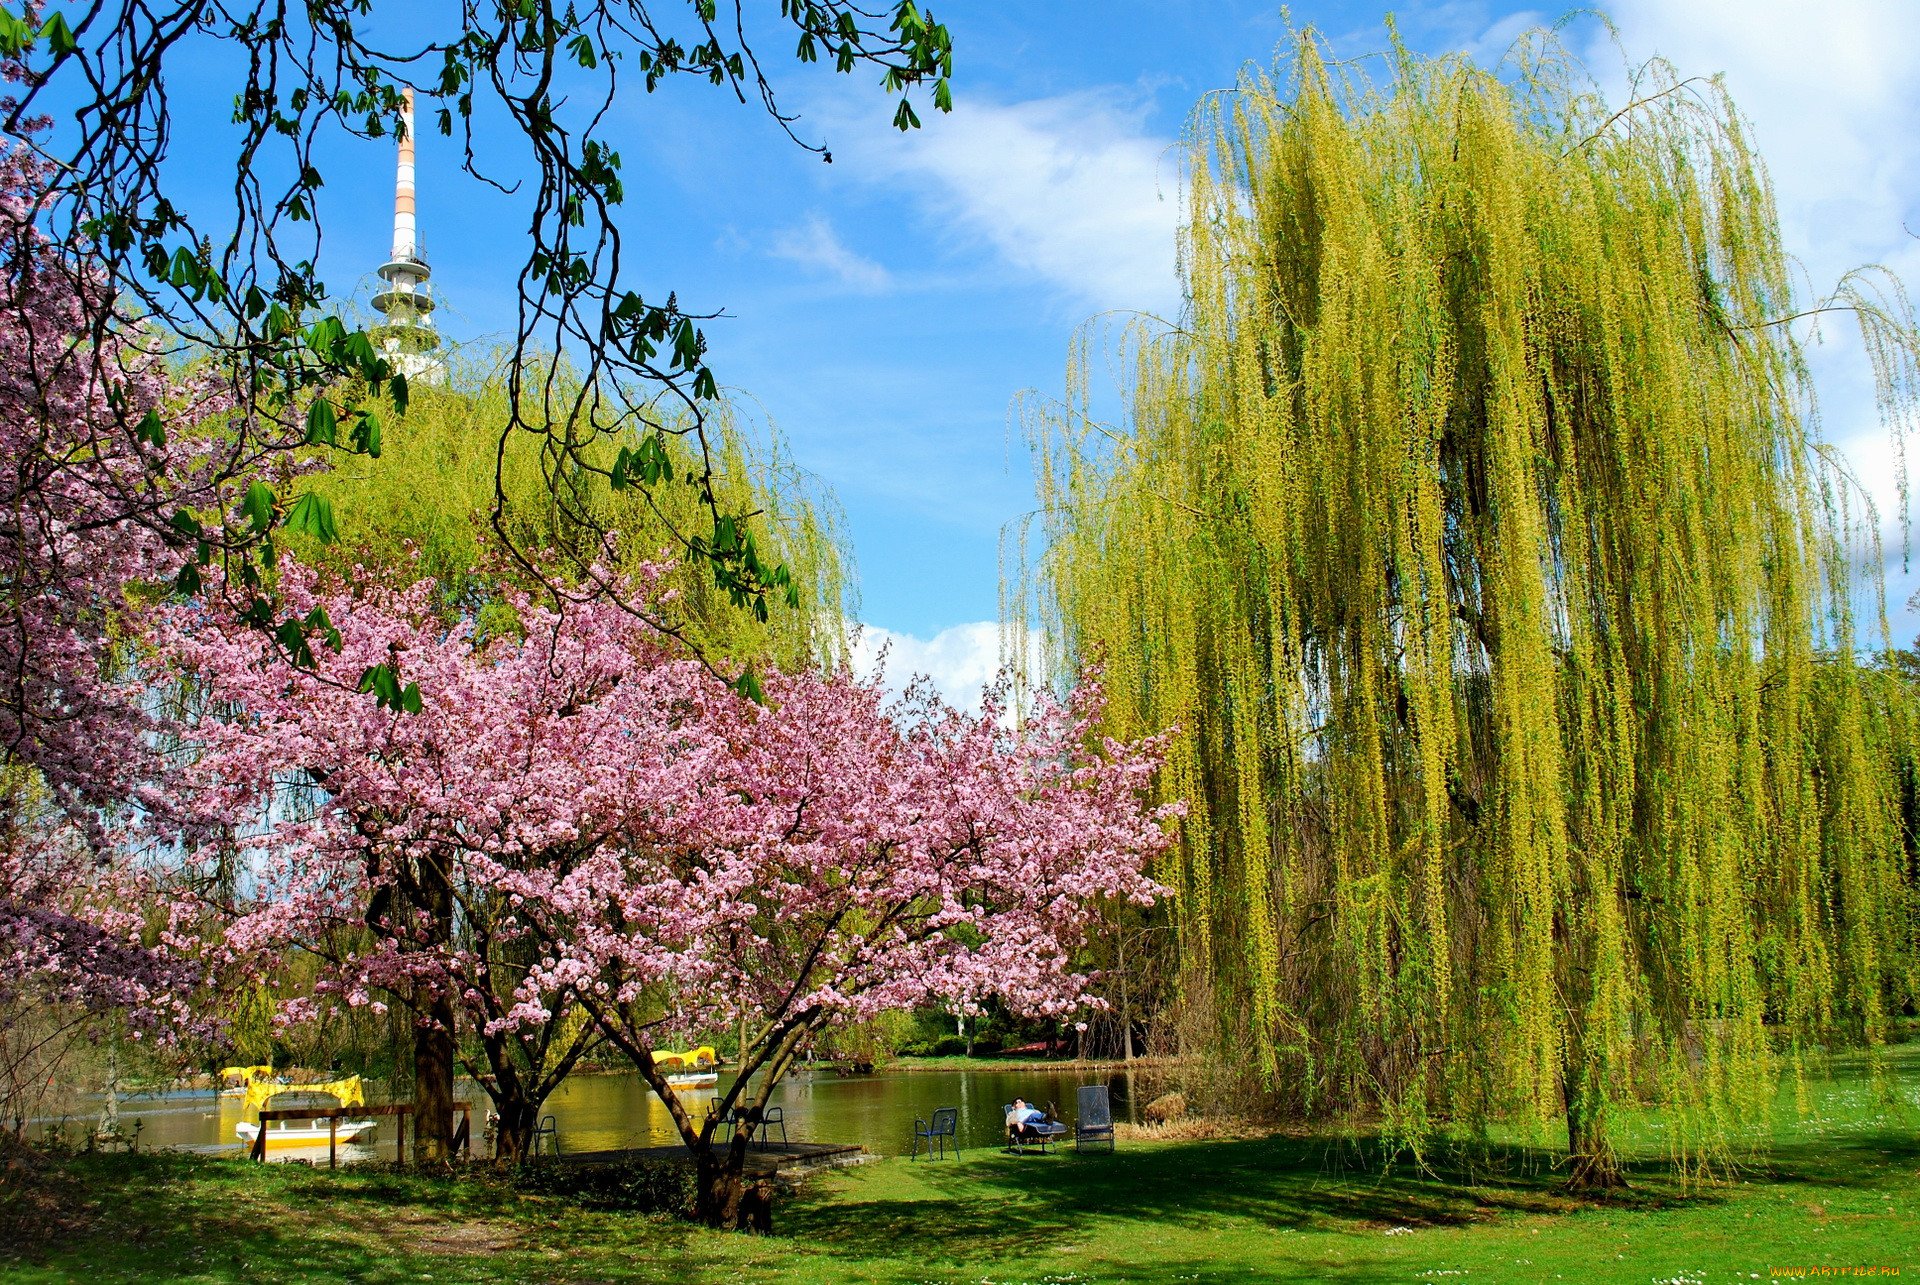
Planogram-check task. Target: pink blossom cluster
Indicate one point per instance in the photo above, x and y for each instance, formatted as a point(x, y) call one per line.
point(74, 932)
point(103, 447)
point(623, 833)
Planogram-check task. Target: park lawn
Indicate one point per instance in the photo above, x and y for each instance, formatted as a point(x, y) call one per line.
point(1839, 1189)
point(1274, 1208)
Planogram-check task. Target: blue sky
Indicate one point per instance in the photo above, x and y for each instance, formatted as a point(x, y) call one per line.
point(885, 310)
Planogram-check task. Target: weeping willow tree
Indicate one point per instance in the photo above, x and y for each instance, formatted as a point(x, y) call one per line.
point(429, 502)
point(1475, 530)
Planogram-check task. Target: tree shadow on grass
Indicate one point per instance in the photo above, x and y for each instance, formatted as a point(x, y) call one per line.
point(1004, 1207)
point(161, 1217)
point(1854, 1161)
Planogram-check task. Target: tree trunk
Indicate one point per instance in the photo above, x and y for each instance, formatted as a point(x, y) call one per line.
point(433, 1058)
point(1592, 1163)
point(433, 1041)
point(721, 1189)
point(513, 1134)
point(110, 1100)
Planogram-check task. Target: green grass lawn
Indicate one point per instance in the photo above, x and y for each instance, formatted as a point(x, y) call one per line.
point(1840, 1189)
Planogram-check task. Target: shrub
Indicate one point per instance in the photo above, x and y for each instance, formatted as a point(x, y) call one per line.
point(1168, 1106)
point(631, 1186)
point(948, 1046)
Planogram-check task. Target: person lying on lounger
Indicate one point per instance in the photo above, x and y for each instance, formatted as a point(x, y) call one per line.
point(1021, 1120)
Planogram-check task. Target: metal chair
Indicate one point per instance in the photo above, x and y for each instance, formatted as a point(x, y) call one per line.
point(764, 1121)
point(937, 1132)
point(769, 1117)
point(1094, 1123)
point(551, 1132)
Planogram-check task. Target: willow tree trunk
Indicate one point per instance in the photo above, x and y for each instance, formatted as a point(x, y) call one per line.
point(1592, 1163)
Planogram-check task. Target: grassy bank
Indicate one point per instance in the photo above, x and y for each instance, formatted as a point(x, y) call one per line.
point(1270, 1208)
point(1839, 1188)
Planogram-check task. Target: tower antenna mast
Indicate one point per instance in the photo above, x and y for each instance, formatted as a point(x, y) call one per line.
point(407, 337)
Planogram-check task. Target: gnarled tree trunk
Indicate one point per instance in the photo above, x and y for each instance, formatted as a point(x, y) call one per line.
point(1592, 1163)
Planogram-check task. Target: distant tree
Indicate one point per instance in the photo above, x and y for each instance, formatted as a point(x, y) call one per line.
point(447, 531)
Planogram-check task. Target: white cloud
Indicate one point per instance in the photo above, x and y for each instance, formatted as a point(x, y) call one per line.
point(961, 660)
point(1071, 190)
point(817, 245)
point(1833, 100)
point(1835, 109)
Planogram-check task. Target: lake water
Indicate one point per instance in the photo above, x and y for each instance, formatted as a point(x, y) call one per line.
point(601, 1112)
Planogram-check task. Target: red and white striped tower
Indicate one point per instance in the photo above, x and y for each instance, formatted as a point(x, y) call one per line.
point(407, 337)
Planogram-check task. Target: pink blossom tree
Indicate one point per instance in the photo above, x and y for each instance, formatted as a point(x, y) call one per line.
point(575, 835)
point(109, 456)
point(81, 939)
point(843, 858)
point(390, 838)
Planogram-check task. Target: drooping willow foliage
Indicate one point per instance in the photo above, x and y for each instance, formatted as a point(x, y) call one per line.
point(428, 503)
point(1474, 529)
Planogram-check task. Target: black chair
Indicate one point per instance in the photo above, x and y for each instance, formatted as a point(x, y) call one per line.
point(731, 1120)
point(768, 1118)
point(548, 1130)
point(1095, 1121)
point(937, 1132)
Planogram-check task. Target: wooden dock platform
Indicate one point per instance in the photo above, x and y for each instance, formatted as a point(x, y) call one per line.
point(784, 1159)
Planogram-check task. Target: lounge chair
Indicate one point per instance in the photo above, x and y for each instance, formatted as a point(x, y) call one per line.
point(1045, 1134)
point(937, 1132)
point(1094, 1123)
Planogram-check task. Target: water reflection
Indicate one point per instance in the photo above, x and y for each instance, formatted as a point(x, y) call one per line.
point(601, 1112)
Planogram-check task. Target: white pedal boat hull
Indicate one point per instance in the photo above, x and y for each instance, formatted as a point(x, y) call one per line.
point(699, 1080)
point(306, 1133)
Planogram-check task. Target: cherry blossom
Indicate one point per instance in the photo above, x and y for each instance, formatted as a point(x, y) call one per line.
point(630, 851)
point(105, 446)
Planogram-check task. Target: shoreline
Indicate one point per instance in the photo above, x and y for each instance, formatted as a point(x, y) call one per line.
point(930, 1065)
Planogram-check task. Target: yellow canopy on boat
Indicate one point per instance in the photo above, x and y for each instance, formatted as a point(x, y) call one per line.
point(349, 1091)
point(244, 1072)
point(702, 1056)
